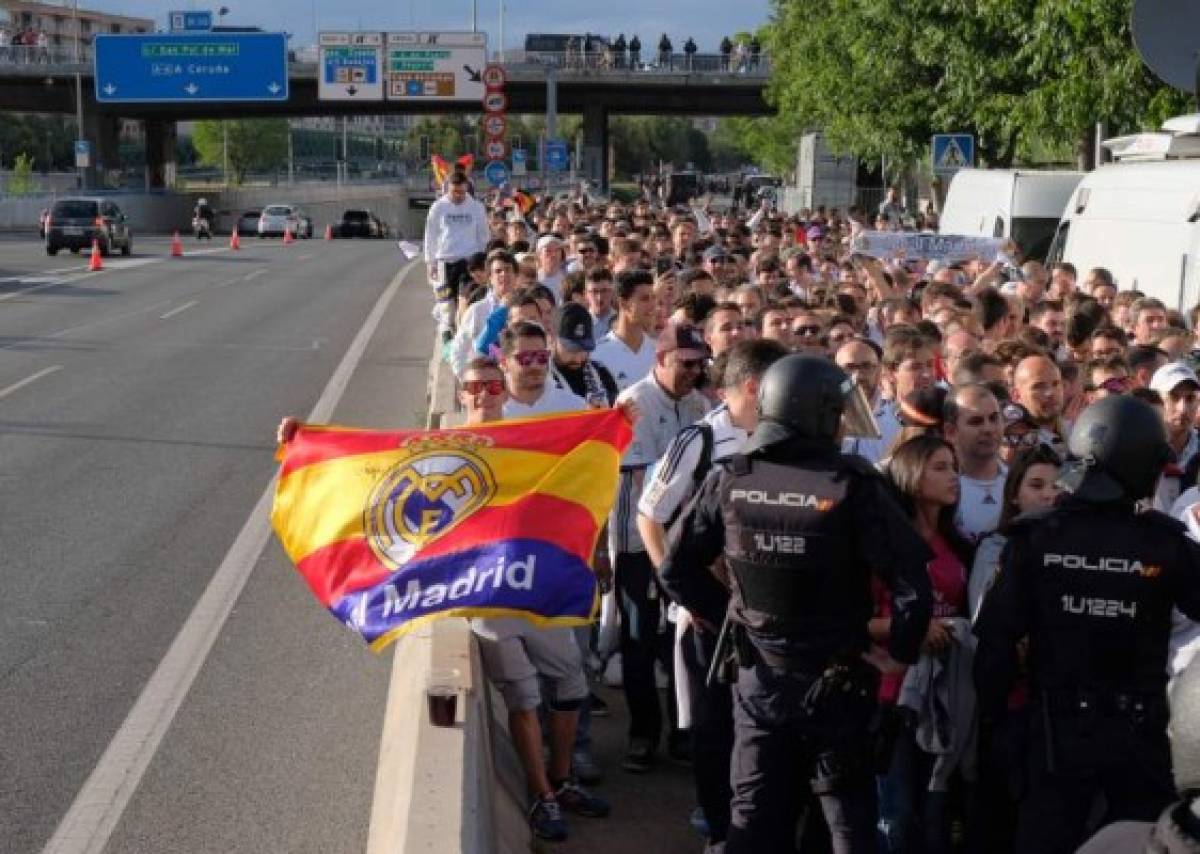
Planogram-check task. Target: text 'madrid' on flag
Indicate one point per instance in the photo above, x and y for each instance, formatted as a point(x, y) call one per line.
point(392, 529)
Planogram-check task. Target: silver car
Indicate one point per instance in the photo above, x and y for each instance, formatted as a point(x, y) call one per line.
point(276, 219)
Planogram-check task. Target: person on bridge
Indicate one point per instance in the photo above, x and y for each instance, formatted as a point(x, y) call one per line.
point(456, 228)
point(664, 52)
point(618, 48)
point(689, 51)
point(726, 52)
point(635, 53)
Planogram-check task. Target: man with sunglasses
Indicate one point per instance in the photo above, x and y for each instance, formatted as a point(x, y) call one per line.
point(807, 329)
point(667, 401)
point(526, 352)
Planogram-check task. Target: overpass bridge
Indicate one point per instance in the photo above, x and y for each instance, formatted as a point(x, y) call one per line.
point(699, 85)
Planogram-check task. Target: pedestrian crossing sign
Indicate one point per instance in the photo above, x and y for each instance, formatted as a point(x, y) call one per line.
point(951, 152)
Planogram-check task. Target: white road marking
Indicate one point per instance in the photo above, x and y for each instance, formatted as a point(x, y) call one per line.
point(23, 291)
point(251, 276)
point(20, 384)
point(177, 310)
point(96, 810)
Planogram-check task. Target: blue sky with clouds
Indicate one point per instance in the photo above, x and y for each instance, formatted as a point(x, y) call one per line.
point(704, 20)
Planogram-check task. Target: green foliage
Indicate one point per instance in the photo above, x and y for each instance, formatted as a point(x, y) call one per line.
point(49, 140)
point(21, 181)
point(767, 142)
point(640, 142)
point(879, 77)
point(254, 145)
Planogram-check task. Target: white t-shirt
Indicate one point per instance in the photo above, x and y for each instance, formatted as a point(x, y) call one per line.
point(979, 505)
point(554, 399)
point(625, 365)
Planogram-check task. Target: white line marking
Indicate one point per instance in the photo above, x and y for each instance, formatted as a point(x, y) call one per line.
point(23, 291)
point(251, 276)
point(177, 310)
point(17, 386)
point(94, 814)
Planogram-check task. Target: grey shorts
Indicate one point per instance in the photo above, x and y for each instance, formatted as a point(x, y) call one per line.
point(516, 662)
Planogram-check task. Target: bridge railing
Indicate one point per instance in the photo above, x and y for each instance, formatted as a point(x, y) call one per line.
point(11, 54)
point(653, 62)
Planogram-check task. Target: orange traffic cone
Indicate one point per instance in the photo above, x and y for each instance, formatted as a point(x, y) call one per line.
point(329, 232)
point(287, 236)
point(176, 246)
point(235, 242)
point(95, 265)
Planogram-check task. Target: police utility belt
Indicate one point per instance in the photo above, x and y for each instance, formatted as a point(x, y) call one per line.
point(1118, 704)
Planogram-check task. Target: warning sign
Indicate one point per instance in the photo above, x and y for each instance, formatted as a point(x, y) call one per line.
point(951, 152)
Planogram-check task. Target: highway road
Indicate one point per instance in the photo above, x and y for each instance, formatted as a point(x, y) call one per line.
point(137, 413)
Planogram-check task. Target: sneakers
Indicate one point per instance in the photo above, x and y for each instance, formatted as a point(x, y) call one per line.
point(597, 706)
point(699, 823)
point(585, 768)
point(546, 821)
point(640, 756)
point(573, 798)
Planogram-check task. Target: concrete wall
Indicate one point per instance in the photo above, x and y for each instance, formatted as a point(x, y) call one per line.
point(163, 213)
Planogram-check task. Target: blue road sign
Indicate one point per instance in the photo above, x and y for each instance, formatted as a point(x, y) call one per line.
point(952, 151)
point(495, 172)
point(556, 154)
point(191, 22)
point(179, 67)
point(83, 153)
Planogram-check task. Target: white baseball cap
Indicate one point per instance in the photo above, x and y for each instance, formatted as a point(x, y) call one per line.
point(1170, 375)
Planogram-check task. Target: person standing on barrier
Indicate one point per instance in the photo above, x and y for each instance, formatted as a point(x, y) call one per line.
point(456, 228)
point(1091, 584)
point(802, 528)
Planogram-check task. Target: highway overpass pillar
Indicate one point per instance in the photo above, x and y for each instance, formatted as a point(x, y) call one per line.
point(595, 145)
point(161, 161)
point(104, 132)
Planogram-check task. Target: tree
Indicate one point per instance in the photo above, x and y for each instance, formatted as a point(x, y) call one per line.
point(21, 181)
point(879, 77)
point(253, 144)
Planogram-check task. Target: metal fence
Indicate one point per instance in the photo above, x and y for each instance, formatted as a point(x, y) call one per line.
point(11, 54)
point(647, 62)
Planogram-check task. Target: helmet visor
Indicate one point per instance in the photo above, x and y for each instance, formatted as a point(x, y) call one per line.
point(858, 421)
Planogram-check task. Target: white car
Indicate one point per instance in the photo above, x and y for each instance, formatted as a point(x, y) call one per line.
point(275, 219)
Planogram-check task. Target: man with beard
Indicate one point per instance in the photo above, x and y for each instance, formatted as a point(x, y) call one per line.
point(572, 366)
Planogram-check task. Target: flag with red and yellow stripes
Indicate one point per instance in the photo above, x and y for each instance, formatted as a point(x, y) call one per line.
point(393, 529)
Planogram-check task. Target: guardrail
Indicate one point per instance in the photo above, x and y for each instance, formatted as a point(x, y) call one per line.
point(647, 62)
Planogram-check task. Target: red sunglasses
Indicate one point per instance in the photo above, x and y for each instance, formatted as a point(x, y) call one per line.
point(492, 387)
point(532, 357)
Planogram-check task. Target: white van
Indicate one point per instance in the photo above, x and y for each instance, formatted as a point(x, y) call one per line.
point(1020, 204)
point(1140, 216)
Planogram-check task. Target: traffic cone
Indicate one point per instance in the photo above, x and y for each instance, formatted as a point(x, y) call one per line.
point(176, 246)
point(95, 265)
point(329, 232)
point(287, 236)
point(235, 242)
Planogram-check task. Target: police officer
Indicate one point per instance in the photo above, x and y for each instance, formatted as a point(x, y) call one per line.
point(1178, 828)
point(802, 527)
point(1091, 584)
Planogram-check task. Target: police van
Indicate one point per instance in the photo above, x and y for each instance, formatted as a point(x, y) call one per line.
point(1018, 204)
point(1139, 216)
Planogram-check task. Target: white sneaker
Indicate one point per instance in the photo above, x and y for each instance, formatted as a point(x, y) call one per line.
point(612, 671)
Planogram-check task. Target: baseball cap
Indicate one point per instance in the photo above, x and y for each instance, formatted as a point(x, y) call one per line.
point(815, 233)
point(714, 252)
point(573, 326)
point(682, 337)
point(1170, 375)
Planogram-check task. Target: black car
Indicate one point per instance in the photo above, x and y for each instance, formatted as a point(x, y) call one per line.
point(75, 223)
point(360, 223)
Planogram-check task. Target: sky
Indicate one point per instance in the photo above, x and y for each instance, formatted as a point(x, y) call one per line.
point(704, 20)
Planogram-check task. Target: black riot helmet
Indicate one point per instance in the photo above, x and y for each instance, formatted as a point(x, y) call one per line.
point(1184, 729)
point(800, 397)
point(1119, 445)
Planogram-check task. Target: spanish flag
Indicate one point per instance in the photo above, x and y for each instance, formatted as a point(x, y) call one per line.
point(391, 530)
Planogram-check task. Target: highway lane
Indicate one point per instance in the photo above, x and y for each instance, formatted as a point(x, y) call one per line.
point(130, 458)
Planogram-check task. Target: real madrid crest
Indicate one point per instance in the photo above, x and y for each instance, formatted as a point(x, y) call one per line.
point(419, 499)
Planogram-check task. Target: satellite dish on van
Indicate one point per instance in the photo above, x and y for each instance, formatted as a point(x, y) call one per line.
point(1166, 34)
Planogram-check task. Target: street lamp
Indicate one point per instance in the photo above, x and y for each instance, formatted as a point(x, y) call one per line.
point(79, 92)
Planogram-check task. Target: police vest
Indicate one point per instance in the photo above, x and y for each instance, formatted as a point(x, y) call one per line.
point(788, 544)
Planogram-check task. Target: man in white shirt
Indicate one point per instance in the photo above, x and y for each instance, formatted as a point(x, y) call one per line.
point(667, 402)
point(628, 350)
point(674, 480)
point(974, 427)
point(1179, 388)
point(551, 262)
point(502, 281)
point(526, 351)
point(455, 229)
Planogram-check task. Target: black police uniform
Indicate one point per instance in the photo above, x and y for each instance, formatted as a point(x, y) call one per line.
point(1092, 584)
point(802, 527)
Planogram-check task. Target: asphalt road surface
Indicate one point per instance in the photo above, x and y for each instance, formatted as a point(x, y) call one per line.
point(137, 412)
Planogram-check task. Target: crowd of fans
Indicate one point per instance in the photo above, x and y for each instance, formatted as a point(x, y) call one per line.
point(974, 370)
